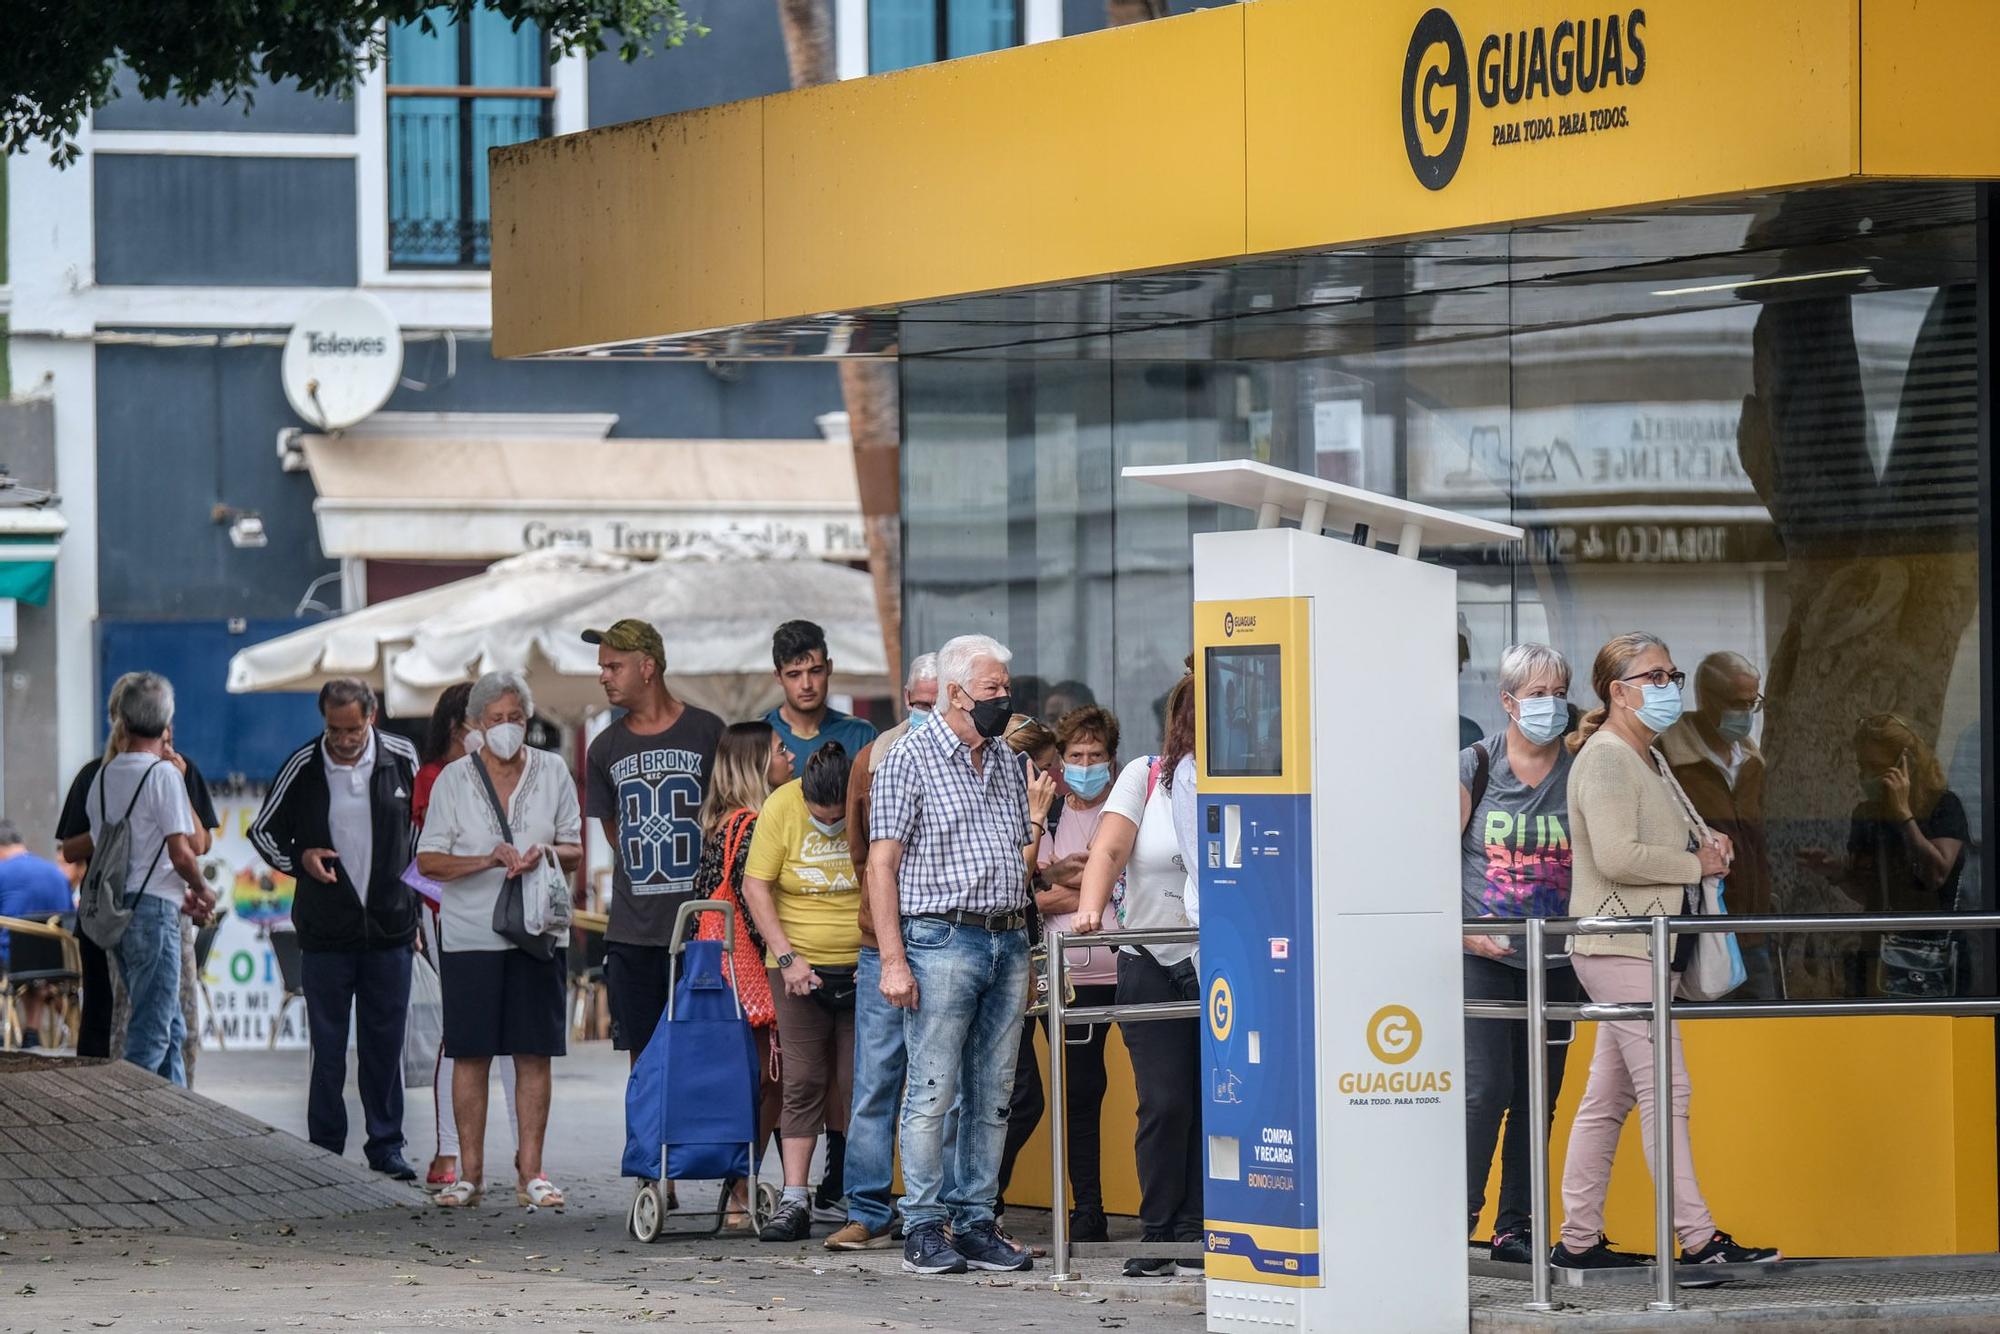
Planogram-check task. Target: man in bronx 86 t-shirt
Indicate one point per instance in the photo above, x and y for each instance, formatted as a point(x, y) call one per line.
point(648, 773)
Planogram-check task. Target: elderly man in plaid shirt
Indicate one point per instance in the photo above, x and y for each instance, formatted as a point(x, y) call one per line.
point(949, 819)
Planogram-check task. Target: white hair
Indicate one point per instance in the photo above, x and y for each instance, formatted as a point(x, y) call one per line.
point(145, 704)
point(1522, 663)
point(491, 687)
point(959, 656)
point(923, 668)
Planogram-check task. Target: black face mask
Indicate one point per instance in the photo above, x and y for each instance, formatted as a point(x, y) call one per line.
point(991, 716)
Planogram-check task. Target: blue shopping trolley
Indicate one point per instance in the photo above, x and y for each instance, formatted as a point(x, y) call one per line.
point(691, 1100)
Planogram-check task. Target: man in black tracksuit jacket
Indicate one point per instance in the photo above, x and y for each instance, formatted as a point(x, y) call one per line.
point(337, 820)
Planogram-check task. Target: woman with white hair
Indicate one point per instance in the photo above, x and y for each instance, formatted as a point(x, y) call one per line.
point(499, 1000)
point(1514, 862)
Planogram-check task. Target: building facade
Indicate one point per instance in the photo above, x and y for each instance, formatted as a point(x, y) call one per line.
point(1702, 298)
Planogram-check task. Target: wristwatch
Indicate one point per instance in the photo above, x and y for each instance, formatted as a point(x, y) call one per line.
point(787, 959)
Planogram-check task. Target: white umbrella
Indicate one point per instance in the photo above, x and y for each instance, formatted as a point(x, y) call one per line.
point(714, 603)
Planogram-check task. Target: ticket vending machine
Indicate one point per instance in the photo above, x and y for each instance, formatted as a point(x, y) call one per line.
point(1332, 1033)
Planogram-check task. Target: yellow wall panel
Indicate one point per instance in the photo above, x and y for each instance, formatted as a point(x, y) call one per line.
point(1931, 103)
point(1820, 1136)
point(1120, 150)
point(629, 231)
point(1730, 97)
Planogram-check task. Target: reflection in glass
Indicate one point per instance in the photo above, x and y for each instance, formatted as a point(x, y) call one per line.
point(1781, 479)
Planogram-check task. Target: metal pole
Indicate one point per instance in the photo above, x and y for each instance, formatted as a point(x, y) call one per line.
point(1538, 1121)
point(1058, 1113)
point(1663, 1117)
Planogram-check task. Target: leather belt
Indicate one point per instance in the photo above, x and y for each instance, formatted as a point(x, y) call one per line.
point(989, 921)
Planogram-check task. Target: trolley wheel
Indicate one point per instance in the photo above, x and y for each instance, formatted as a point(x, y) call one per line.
point(648, 1212)
point(769, 1197)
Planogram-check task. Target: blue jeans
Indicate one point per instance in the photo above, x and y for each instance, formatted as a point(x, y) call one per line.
point(878, 1097)
point(962, 1041)
point(150, 957)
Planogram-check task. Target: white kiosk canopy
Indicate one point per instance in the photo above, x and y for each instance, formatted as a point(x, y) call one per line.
point(1276, 494)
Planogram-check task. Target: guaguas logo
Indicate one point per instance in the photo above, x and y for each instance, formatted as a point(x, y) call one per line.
point(1437, 99)
point(1228, 625)
point(1394, 1034)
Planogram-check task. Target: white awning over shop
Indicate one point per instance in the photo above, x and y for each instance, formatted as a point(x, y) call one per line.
point(715, 604)
point(428, 497)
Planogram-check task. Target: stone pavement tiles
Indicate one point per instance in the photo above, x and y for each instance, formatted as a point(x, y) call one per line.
point(103, 1144)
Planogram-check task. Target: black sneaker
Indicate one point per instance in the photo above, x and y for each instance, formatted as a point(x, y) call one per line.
point(792, 1222)
point(1088, 1225)
point(1599, 1256)
point(1722, 1249)
point(984, 1246)
point(1191, 1268)
point(928, 1251)
point(1140, 1266)
point(1511, 1248)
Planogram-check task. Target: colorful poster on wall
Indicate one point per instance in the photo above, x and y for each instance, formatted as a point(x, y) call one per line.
point(243, 988)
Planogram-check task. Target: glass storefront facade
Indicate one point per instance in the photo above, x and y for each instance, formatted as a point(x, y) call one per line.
point(1752, 427)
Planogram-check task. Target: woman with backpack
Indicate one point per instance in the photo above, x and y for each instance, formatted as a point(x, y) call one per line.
point(1138, 838)
point(738, 785)
point(1514, 862)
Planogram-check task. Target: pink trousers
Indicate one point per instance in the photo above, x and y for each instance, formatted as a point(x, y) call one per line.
point(1621, 1074)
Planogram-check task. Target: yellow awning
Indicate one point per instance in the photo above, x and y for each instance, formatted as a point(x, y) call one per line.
point(1268, 127)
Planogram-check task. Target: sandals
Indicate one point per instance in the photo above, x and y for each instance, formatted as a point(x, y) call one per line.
point(541, 1193)
point(458, 1195)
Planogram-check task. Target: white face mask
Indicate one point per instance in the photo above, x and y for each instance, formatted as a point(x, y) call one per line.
point(506, 740)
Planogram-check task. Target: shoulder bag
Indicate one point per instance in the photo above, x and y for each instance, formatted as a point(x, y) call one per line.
point(510, 914)
point(1717, 968)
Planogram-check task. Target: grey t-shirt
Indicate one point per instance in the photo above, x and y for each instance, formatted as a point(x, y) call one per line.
point(652, 788)
point(1514, 857)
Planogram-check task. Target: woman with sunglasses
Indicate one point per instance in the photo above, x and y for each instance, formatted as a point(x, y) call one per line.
point(1637, 852)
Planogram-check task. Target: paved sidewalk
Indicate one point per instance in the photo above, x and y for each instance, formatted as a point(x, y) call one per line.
point(414, 1266)
point(105, 1145)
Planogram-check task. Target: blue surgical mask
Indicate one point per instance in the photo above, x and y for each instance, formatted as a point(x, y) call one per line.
point(918, 717)
point(1541, 718)
point(831, 829)
point(1087, 780)
point(1735, 724)
point(1662, 708)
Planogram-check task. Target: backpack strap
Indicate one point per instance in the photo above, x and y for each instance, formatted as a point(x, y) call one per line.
point(1152, 779)
point(1482, 774)
point(131, 806)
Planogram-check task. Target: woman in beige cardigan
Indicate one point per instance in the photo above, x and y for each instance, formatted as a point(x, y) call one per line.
point(1637, 850)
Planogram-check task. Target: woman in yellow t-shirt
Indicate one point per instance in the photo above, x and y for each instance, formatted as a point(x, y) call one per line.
point(801, 890)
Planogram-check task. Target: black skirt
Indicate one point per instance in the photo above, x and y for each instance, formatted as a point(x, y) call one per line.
point(503, 1003)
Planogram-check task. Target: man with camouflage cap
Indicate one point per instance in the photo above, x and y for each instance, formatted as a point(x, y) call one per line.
point(647, 776)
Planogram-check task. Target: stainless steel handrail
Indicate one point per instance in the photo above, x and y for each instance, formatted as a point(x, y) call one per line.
point(1061, 1017)
point(1661, 1011)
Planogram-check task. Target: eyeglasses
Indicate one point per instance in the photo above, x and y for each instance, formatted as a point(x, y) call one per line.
point(1659, 676)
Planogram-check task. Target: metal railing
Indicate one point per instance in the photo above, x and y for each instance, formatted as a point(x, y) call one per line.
point(1661, 1011)
point(1061, 1017)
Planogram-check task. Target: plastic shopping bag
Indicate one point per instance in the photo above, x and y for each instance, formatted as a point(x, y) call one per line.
point(423, 1032)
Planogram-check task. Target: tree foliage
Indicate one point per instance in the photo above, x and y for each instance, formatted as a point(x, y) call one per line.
point(58, 57)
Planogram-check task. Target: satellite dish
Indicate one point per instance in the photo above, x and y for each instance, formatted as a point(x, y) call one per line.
point(343, 360)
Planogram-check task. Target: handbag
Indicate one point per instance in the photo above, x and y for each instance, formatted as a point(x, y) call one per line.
point(1919, 965)
point(510, 918)
point(423, 1031)
point(835, 993)
point(746, 967)
point(1717, 968)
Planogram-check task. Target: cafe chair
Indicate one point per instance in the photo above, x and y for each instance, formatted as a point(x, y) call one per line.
point(43, 952)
